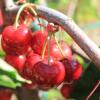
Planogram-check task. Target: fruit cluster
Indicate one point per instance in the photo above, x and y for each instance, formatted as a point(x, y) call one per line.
point(24, 49)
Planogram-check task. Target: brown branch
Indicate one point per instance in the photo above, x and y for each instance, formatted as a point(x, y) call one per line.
point(85, 43)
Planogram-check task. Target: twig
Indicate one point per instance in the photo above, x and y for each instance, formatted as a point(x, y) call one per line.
point(94, 89)
point(85, 43)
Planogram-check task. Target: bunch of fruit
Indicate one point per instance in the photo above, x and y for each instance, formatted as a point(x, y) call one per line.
point(38, 57)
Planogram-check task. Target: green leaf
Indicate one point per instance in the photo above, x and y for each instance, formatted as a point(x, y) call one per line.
point(86, 83)
point(54, 94)
point(6, 81)
point(11, 72)
point(2, 54)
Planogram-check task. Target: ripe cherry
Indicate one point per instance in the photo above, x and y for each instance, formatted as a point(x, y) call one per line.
point(5, 94)
point(48, 76)
point(16, 61)
point(16, 38)
point(13, 51)
point(66, 90)
point(38, 41)
point(56, 53)
point(73, 69)
point(32, 58)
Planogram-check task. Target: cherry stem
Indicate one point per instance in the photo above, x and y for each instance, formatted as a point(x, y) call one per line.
point(58, 45)
point(44, 48)
point(49, 39)
point(94, 89)
point(28, 5)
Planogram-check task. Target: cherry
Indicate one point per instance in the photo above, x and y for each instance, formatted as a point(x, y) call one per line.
point(17, 39)
point(56, 53)
point(66, 90)
point(16, 61)
point(32, 58)
point(13, 51)
point(38, 41)
point(5, 94)
point(73, 69)
point(48, 76)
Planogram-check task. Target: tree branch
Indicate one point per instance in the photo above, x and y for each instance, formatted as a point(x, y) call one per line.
point(73, 30)
point(85, 43)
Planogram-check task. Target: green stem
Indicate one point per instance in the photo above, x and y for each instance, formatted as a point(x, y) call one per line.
point(49, 39)
point(44, 48)
point(58, 45)
point(28, 5)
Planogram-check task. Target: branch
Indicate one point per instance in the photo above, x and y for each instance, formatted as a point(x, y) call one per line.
point(88, 46)
point(85, 43)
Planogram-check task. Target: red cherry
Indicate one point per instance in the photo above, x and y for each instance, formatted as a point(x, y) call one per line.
point(66, 90)
point(77, 72)
point(16, 61)
point(16, 38)
point(73, 69)
point(32, 59)
point(38, 41)
point(13, 51)
point(5, 94)
point(56, 53)
point(48, 76)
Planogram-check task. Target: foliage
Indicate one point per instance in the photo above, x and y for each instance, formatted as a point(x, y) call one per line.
point(9, 77)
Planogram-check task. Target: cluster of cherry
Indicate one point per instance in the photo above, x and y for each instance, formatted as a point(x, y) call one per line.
point(38, 57)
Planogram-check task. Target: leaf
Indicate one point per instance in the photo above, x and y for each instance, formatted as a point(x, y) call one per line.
point(6, 81)
point(10, 71)
point(54, 94)
point(86, 83)
point(2, 54)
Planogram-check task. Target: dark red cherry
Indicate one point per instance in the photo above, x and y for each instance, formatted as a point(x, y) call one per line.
point(16, 61)
point(66, 90)
point(77, 71)
point(73, 69)
point(56, 53)
point(32, 59)
point(17, 38)
point(38, 41)
point(48, 76)
point(5, 94)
